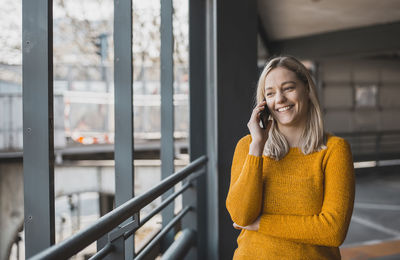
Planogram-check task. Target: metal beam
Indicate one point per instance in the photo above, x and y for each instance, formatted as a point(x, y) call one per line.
point(123, 95)
point(167, 111)
point(354, 42)
point(38, 127)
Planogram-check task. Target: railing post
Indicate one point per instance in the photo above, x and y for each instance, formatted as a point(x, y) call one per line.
point(117, 239)
point(118, 252)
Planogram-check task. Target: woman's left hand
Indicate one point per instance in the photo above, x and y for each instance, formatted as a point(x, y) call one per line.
point(253, 226)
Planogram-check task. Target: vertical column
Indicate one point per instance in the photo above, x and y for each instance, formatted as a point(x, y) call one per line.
point(123, 96)
point(196, 220)
point(38, 162)
point(167, 110)
point(213, 221)
point(236, 79)
point(212, 228)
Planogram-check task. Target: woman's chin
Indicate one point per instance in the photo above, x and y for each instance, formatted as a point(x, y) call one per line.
point(287, 122)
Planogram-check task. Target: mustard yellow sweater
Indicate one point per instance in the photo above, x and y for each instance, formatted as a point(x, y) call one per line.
point(305, 202)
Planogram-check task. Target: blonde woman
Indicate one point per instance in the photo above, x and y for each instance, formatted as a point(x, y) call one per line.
point(292, 185)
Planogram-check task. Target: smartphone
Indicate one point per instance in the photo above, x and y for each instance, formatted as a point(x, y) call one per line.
point(264, 114)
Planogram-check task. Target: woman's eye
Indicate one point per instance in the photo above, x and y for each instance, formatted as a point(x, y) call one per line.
point(289, 88)
point(269, 94)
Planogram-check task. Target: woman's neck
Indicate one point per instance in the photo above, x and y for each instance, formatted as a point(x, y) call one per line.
point(292, 134)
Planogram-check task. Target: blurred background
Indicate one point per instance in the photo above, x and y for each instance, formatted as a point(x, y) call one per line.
point(358, 84)
point(84, 112)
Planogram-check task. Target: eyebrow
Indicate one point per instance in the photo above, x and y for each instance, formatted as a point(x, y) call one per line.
point(283, 83)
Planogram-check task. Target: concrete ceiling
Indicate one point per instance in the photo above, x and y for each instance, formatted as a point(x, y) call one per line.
point(286, 19)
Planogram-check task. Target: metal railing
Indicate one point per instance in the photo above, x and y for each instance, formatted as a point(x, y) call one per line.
point(374, 145)
point(117, 234)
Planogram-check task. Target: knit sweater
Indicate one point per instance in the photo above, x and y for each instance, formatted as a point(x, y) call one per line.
point(305, 201)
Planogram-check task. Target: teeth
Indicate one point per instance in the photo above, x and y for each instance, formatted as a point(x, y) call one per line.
point(283, 108)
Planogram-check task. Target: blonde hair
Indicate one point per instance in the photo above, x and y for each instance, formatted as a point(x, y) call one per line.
point(313, 137)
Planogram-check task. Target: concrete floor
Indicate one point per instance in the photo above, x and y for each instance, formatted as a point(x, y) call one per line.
point(374, 232)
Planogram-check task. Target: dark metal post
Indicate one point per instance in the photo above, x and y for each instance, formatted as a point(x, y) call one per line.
point(119, 248)
point(234, 97)
point(212, 228)
point(123, 96)
point(38, 162)
point(167, 111)
point(196, 220)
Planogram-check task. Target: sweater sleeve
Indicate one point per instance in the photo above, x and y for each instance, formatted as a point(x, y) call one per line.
point(244, 198)
point(329, 227)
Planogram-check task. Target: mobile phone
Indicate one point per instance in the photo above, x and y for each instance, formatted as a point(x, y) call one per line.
point(264, 114)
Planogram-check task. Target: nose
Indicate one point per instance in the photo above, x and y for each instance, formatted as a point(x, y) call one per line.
point(279, 97)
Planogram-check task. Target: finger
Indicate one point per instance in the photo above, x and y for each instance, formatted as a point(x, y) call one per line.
point(259, 107)
point(262, 103)
point(236, 226)
point(257, 110)
point(255, 118)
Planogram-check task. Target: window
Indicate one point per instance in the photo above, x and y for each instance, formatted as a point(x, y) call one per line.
point(366, 95)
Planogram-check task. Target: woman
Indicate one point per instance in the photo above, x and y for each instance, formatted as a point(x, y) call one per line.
point(292, 185)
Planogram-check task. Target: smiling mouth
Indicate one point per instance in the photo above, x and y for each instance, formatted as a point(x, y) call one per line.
point(282, 109)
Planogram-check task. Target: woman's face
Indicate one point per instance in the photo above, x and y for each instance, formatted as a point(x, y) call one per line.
point(287, 97)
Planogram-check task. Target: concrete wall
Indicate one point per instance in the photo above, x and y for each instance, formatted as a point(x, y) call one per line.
point(340, 80)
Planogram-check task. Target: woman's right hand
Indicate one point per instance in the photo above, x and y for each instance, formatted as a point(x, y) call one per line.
point(258, 135)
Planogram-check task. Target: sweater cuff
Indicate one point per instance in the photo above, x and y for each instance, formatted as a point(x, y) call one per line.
point(264, 225)
point(254, 160)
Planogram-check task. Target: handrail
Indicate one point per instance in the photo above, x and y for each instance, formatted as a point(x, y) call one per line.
point(181, 245)
point(108, 222)
point(164, 203)
point(102, 252)
point(146, 244)
point(170, 225)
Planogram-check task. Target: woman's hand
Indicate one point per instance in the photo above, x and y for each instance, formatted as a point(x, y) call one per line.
point(253, 226)
point(258, 135)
